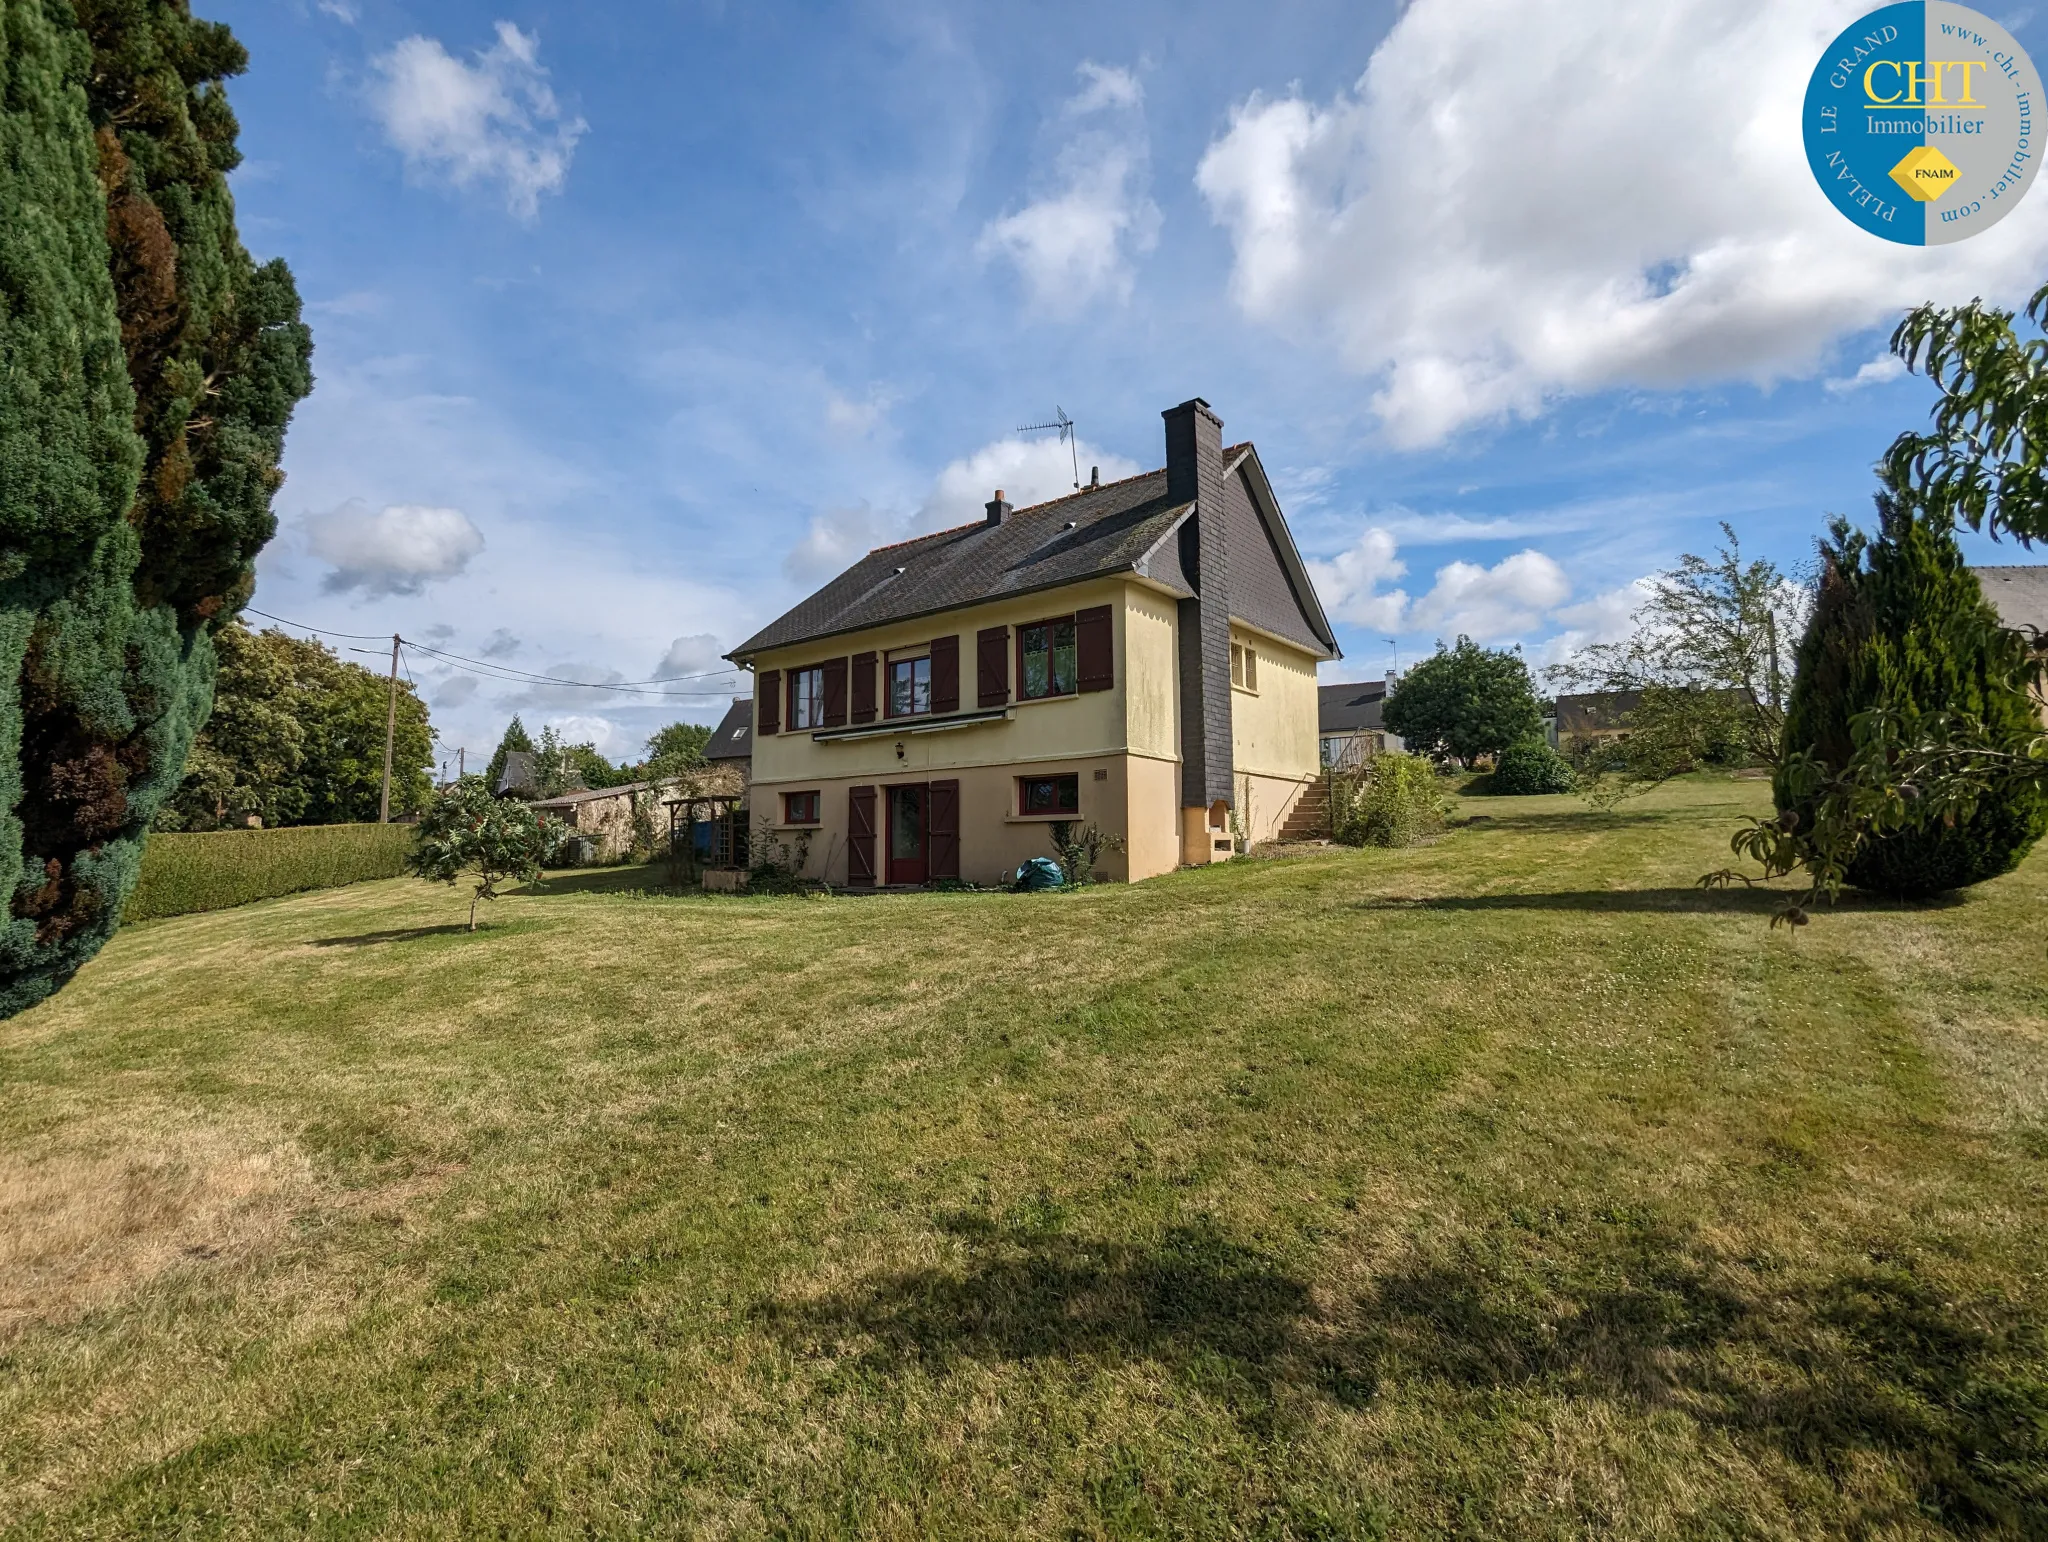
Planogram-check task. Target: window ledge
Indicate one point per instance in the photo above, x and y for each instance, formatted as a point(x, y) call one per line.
point(1038, 819)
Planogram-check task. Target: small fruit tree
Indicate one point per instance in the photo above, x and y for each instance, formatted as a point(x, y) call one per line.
point(467, 831)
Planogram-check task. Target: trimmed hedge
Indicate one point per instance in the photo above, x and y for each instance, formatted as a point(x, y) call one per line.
point(220, 869)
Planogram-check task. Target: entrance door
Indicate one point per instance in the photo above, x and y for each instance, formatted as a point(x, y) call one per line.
point(908, 845)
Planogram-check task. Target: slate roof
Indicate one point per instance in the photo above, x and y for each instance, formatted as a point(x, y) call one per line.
point(1115, 526)
point(733, 738)
point(2019, 594)
point(518, 775)
point(1353, 708)
point(1119, 527)
point(1595, 712)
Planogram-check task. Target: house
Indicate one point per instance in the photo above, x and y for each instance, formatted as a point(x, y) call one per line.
point(1348, 723)
point(2020, 596)
point(732, 742)
point(1139, 655)
point(520, 777)
point(1594, 716)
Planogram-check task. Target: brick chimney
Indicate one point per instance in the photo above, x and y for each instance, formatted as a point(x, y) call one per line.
point(998, 508)
point(1194, 474)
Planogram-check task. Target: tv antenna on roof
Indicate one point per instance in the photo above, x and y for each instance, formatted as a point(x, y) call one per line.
point(1065, 425)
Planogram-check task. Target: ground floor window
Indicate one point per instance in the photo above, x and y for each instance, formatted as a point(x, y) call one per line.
point(800, 808)
point(1060, 794)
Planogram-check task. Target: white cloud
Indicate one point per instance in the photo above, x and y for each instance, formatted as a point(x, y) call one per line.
point(1487, 604)
point(698, 655)
point(1526, 198)
point(1026, 471)
point(1885, 367)
point(492, 121)
point(1078, 241)
point(343, 11)
point(399, 549)
point(1349, 583)
point(1606, 618)
point(857, 418)
point(600, 733)
point(453, 690)
point(501, 644)
point(835, 538)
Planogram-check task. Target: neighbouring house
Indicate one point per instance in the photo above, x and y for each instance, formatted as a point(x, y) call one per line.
point(520, 778)
point(1139, 655)
point(1348, 723)
point(732, 741)
point(2020, 596)
point(1593, 716)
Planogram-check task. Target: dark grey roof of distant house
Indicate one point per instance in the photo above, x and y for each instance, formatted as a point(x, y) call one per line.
point(1595, 712)
point(2019, 594)
point(1119, 527)
point(1353, 708)
point(518, 775)
point(733, 738)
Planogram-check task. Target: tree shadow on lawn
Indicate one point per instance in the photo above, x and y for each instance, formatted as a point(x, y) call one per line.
point(1873, 1361)
point(651, 878)
point(1738, 899)
point(400, 934)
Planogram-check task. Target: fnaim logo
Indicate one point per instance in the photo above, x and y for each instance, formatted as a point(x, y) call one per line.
point(1920, 122)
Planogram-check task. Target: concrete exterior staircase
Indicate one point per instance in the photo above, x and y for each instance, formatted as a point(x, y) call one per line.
point(1309, 819)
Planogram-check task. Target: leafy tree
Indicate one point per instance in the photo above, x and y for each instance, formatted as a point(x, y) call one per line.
point(466, 831)
point(1464, 702)
point(297, 736)
point(516, 739)
point(679, 746)
point(1985, 462)
point(1711, 656)
point(1903, 622)
point(138, 336)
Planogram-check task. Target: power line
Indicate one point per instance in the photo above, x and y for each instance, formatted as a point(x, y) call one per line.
point(508, 674)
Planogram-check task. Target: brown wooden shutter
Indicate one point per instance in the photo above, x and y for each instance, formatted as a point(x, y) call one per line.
point(942, 830)
point(945, 674)
point(1094, 649)
point(992, 666)
point(835, 693)
point(768, 702)
point(860, 836)
point(863, 687)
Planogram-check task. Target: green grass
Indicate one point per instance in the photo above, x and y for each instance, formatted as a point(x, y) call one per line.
point(185, 873)
point(1508, 1187)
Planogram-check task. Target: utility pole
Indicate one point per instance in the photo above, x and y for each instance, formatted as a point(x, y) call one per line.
point(390, 732)
point(461, 763)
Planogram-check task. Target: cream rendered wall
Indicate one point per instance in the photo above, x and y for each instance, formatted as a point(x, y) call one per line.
point(1131, 733)
point(1065, 727)
point(1273, 732)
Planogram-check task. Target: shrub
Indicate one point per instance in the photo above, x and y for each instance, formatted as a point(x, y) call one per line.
point(1901, 621)
point(184, 874)
point(1395, 801)
point(1525, 770)
point(1078, 847)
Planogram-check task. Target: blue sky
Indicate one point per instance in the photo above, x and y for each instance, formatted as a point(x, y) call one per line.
point(634, 320)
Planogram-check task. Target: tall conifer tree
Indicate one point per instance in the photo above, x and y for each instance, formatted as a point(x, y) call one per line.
point(1901, 619)
point(118, 246)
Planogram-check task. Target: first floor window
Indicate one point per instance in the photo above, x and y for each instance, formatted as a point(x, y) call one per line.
point(1244, 667)
point(800, 808)
point(806, 698)
point(910, 687)
point(1045, 653)
point(1059, 794)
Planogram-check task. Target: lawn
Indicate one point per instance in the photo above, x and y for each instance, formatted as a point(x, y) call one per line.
point(1508, 1187)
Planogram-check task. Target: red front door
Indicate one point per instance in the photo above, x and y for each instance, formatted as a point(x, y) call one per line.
point(909, 845)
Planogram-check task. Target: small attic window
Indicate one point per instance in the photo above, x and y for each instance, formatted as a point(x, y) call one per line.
point(899, 572)
point(1072, 524)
